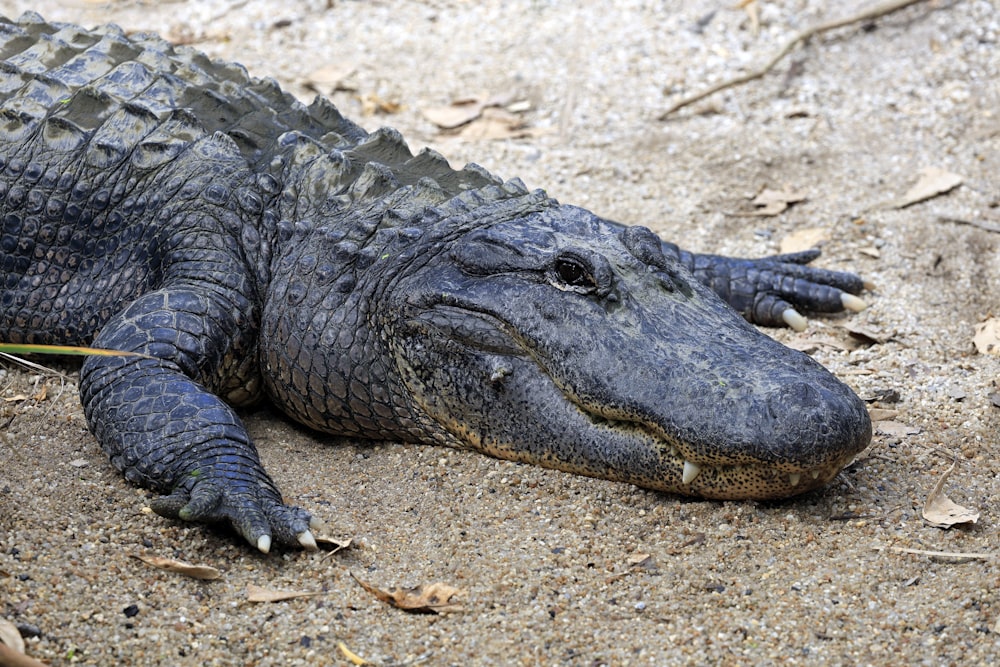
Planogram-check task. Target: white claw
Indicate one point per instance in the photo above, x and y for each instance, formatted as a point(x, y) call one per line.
point(853, 303)
point(307, 540)
point(674, 452)
point(815, 474)
point(794, 320)
point(793, 478)
point(691, 471)
point(264, 543)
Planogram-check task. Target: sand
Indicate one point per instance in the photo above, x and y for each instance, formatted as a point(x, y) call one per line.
point(554, 568)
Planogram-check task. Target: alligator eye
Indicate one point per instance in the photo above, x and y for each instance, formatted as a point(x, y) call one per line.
point(573, 274)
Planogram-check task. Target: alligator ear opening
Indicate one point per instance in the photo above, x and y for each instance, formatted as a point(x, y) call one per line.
point(482, 254)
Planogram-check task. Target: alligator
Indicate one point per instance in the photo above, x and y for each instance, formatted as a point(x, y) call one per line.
point(246, 245)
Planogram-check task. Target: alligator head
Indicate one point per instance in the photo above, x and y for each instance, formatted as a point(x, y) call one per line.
point(560, 339)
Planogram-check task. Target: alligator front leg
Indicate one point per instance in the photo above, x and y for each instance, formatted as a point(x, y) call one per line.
point(166, 430)
point(771, 291)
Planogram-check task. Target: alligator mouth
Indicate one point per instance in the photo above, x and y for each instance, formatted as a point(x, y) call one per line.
point(686, 475)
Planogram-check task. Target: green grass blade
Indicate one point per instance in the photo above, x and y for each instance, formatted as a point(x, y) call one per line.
point(17, 348)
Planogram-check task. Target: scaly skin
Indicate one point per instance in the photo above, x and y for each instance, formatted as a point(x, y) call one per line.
point(157, 202)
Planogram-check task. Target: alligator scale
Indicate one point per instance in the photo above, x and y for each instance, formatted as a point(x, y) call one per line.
point(155, 201)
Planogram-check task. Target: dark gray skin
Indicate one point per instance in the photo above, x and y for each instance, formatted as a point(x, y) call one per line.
point(154, 201)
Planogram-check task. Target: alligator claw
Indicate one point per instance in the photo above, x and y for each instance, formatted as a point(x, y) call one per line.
point(793, 319)
point(259, 517)
point(852, 303)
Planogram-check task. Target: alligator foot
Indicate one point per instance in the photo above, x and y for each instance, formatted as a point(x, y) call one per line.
point(771, 291)
point(255, 513)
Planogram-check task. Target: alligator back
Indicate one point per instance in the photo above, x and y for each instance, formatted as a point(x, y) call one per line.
point(110, 146)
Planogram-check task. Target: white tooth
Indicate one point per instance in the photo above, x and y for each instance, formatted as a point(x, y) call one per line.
point(815, 474)
point(793, 478)
point(691, 471)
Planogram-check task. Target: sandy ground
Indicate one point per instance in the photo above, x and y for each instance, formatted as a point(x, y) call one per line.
point(558, 569)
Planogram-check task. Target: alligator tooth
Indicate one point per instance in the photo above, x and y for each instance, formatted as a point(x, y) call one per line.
point(853, 303)
point(815, 474)
point(793, 478)
point(794, 320)
point(264, 543)
point(691, 471)
point(307, 540)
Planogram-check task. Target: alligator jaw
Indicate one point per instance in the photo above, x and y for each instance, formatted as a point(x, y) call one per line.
point(736, 481)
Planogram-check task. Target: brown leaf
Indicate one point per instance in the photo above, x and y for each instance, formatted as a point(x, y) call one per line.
point(866, 336)
point(11, 636)
point(941, 512)
point(898, 429)
point(772, 202)
point(260, 594)
point(330, 78)
point(338, 545)
point(638, 559)
point(495, 123)
point(12, 648)
point(803, 239)
point(204, 572)
point(987, 337)
point(881, 414)
point(430, 599)
point(933, 181)
point(454, 115)
point(812, 344)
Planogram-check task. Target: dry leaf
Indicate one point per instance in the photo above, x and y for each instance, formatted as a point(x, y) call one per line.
point(941, 512)
point(204, 572)
point(15, 399)
point(430, 599)
point(330, 78)
point(870, 251)
point(12, 648)
point(932, 182)
point(808, 345)
point(260, 594)
point(881, 414)
point(372, 104)
point(987, 338)
point(454, 115)
point(773, 202)
point(637, 559)
point(11, 636)
point(866, 336)
point(894, 428)
point(804, 239)
point(495, 123)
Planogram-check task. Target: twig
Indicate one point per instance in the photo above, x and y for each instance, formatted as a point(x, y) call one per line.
point(939, 554)
point(873, 13)
point(986, 226)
